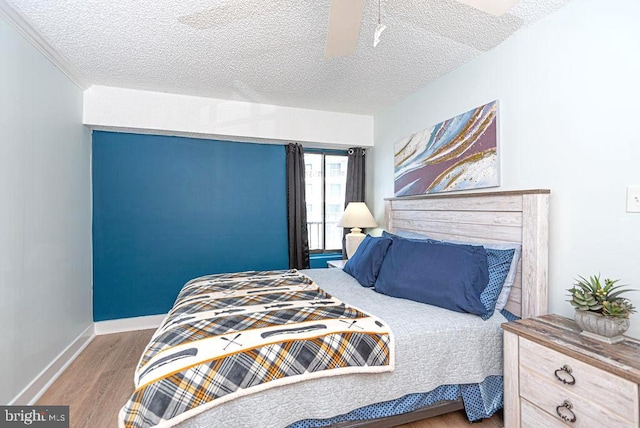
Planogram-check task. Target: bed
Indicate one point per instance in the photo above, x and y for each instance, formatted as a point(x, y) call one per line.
point(459, 349)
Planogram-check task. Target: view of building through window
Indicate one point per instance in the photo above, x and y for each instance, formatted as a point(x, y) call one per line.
point(325, 177)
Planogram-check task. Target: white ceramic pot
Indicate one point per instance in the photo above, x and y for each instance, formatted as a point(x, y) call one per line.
point(599, 327)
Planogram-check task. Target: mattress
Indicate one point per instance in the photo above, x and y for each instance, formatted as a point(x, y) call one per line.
point(434, 347)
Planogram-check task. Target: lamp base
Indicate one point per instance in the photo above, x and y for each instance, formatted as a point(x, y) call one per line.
point(353, 240)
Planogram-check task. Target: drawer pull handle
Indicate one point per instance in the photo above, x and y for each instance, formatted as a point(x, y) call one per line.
point(563, 374)
point(564, 410)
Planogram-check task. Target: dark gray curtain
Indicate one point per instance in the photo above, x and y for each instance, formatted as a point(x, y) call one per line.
point(355, 176)
point(297, 208)
point(354, 191)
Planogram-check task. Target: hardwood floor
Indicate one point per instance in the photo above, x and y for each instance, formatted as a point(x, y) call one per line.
point(98, 383)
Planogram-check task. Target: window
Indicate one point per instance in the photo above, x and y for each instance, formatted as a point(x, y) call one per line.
point(326, 177)
point(335, 190)
point(335, 169)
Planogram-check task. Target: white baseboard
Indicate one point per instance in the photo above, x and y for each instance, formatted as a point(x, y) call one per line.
point(129, 324)
point(32, 392)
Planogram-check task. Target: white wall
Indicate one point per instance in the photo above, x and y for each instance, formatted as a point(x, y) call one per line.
point(568, 89)
point(144, 111)
point(45, 213)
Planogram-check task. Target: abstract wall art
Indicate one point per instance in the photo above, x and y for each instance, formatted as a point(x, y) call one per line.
point(457, 154)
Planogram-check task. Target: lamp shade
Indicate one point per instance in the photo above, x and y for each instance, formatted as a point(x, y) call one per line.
point(357, 215)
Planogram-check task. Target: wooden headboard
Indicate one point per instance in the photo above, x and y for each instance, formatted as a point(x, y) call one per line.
point(493, 217)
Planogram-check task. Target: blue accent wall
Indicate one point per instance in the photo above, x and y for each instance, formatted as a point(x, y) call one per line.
point(169, 209)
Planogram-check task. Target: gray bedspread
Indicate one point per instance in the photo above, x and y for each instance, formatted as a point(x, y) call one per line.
point(434, 347)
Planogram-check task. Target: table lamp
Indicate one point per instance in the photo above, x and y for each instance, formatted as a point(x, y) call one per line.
point(356, 216)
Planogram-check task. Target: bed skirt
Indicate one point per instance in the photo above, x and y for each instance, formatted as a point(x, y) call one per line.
point(481, 400)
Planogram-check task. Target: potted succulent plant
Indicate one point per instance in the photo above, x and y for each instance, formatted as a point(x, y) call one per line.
point(601, 312)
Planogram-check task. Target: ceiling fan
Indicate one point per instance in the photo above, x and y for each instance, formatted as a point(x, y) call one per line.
point(345, 18)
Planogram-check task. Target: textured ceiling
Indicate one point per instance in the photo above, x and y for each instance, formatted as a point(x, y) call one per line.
point(270, 51)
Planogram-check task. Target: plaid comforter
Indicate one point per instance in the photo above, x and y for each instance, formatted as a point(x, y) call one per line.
point(230, 335)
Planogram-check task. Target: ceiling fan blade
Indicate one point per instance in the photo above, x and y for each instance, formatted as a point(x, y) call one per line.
point(492, 7)
point(345, 18)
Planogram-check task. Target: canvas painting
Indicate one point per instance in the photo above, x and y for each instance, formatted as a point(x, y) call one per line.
point(458, 154)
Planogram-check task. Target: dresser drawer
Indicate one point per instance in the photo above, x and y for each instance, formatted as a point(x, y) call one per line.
point(533, 417)
point(598, 398)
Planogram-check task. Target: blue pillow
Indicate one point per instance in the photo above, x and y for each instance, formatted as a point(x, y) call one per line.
point(499, 263)
point(503, 297)
point(509, 316)
point(365, 263)
point(404, 234)
point(449, 276)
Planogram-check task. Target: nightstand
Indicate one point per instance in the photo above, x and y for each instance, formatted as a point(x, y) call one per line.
point(336, 264)
point(555, 377)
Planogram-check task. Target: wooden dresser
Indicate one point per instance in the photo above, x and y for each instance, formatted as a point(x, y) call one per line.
point(554, 377)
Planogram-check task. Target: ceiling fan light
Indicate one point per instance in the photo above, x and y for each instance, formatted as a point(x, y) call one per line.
point(376, 36)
